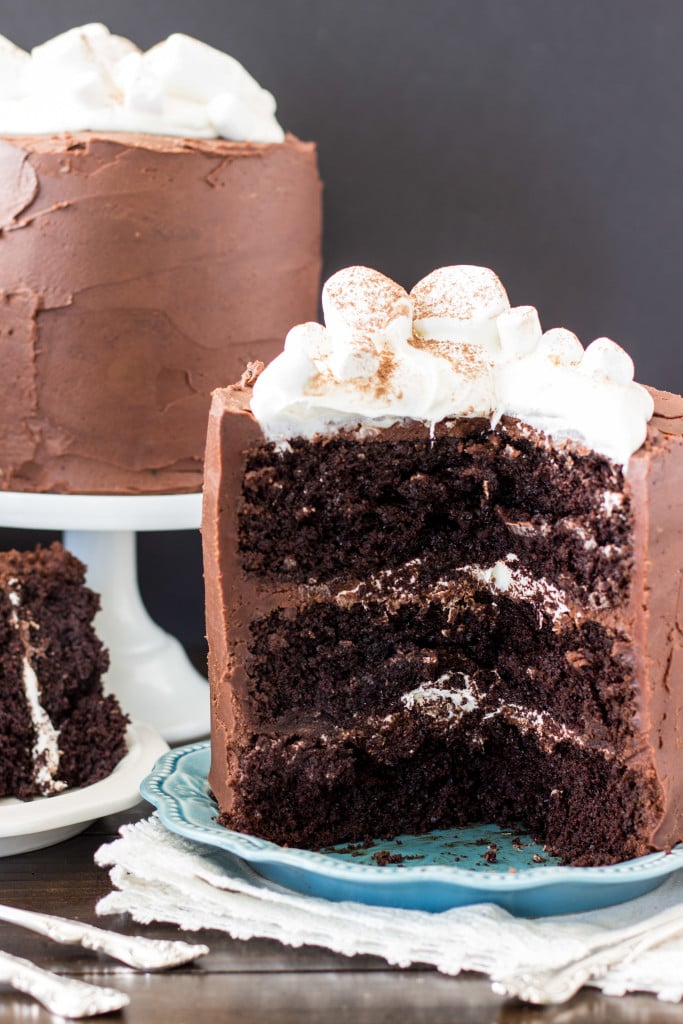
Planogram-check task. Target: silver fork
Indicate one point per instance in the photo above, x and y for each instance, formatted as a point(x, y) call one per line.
point(544, 987)
point(63, 996)
point(134, 950)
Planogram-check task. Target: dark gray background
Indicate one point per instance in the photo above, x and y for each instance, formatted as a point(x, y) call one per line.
point(542, 138)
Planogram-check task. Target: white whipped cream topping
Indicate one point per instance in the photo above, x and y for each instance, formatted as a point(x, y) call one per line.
point(45, 751)
point(87, 79)
point(453, 347)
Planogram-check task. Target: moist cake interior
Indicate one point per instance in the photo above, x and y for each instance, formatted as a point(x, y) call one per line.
point(58, 729)
point(441, 641)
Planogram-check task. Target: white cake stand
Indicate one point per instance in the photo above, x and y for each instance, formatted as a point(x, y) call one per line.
point(150, 672)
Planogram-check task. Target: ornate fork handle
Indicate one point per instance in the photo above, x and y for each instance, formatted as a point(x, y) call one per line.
point(134, 950)
point(64, 996)
point(557, 986)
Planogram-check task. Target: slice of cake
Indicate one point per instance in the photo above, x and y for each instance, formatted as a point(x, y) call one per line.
point(57, 728)
point(444, 563)
point(159, 230)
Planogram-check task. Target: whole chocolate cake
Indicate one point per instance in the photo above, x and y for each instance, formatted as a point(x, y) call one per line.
point(158, 231)
point(450, 587)
point(57, 728)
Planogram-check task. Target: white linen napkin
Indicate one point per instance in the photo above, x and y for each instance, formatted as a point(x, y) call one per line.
point(159, 876)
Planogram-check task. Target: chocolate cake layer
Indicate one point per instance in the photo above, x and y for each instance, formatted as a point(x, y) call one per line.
point(369, 660)
point(401, 644)
point(467, 495)
point(411, 775)
point(57, 727)
point(137, 273)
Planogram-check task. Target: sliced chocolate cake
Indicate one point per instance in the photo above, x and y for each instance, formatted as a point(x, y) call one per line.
point(444, 562)
point(57, 728)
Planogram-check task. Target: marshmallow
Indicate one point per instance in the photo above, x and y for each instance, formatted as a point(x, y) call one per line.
point(80, 63)
point(192, 70)
point(463, 384)
point(459, 304)
point(233, 118)
point(605, 358)
point(141, 91)
point(14, 64)
point(361, 300)
point(519, 330)
point(370, 365)
point(310, 339)
point(353, 356)
point(69, 63)
point(88, 79)
point(561, 347)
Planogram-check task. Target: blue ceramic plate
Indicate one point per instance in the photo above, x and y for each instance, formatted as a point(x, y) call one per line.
point(478, 864)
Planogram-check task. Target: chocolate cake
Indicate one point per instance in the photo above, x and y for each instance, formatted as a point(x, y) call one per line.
point(450, 589)
point(57, 728)
point(142, 261)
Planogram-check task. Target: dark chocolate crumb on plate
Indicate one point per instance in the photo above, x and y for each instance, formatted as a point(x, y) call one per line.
point(383, 858)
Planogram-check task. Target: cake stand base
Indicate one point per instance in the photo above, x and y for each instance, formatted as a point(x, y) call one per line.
point(149, 670)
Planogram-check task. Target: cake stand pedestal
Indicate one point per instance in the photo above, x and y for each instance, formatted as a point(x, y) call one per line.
point(150, 672)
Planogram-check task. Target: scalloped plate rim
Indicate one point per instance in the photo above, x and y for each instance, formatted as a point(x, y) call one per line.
point(261, 851)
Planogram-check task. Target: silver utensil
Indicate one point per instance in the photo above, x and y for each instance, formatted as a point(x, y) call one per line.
point(134, 950)
point(547, 986)
point(64, 996)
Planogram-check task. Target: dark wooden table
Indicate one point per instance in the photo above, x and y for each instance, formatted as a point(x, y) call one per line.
point(258, 981)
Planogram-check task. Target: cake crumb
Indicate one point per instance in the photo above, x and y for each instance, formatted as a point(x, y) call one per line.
point(384, 857)
point(252, 372)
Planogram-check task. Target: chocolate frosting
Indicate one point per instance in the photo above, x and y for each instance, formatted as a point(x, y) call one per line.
point(138, 273)
point(653, 616)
